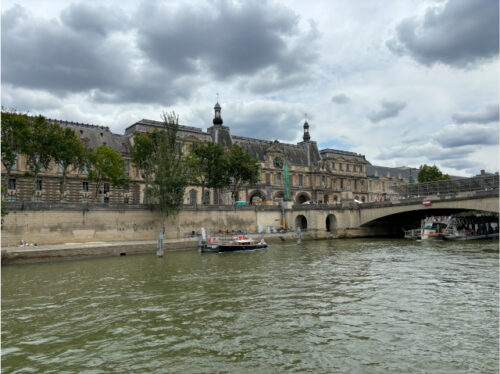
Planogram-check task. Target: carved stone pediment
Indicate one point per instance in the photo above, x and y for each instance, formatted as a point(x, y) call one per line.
point(276, 147)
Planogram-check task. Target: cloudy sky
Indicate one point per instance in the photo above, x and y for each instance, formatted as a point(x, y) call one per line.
point(404, 82)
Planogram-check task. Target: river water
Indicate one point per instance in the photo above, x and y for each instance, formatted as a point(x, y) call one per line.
point(341, 306)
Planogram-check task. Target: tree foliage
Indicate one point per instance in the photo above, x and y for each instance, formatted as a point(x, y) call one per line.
point(242, 168)
point(142, 156)
point(13, 127)
point(208, 166)
point(106, 165)
point(430, 174)
point(163, 167)
point(39, 143)
point(70, 154)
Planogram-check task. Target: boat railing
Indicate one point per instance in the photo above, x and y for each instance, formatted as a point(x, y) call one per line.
point(413, 234)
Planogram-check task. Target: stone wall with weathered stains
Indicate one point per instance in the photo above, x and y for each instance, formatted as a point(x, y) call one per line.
point(62, 223)
point(43, 223)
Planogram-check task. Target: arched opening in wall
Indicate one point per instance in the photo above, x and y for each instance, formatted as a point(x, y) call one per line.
point(256, 198)
point(278, 197)
point(325, 199)
point(193, 195)
point(356, 197)
point(302, 198)
point(363, 199)
point(335, 198)
point(331, 223)
point(206, 198)
point(301, 222)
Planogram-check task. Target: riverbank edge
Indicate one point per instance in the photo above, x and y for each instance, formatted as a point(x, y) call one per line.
point(73, 251)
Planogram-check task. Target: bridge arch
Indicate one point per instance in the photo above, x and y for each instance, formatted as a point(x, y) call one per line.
point(302, 197)
point(402, 214)
point(301, 221)
point(331, 223)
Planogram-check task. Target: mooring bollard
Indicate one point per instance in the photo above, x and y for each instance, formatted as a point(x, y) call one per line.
point(159, 245)
point(299, 239)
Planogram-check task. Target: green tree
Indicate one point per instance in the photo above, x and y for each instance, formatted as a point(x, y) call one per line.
point(171, 175)
point(159, 156)
point(208, 166)
point(13, 126)
point(106, 165)
point(142, 156)
point(69, 154)
point(242, 169)
point(430, 174)
point(39, 144)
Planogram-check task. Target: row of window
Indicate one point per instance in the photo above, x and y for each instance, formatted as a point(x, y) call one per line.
point(85, 186)
point(301, 181)
point(85, 199)
point(60, 167)
point(348, 167)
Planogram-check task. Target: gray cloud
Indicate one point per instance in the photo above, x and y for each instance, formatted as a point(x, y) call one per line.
point(266, 120)
point(229, 40)
point(431, 151)
point(94, 19)
point(469, 134)
point(486, 115)
point(458, 34)
point(89, 50)
point(389, 109)
point(47, 55)
point(340, 98)
point(461, 164)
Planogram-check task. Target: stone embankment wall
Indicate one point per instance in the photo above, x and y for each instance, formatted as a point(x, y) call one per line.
point(44, 223)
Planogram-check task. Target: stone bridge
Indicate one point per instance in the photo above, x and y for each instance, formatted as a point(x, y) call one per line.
point(387, 218)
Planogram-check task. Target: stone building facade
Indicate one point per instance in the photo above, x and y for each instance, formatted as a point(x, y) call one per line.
point(325, 176)
point(383, 182)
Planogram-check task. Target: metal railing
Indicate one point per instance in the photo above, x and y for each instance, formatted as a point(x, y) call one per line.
point(479, 183)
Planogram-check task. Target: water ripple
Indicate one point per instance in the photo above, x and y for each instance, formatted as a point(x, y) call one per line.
point(380, 306)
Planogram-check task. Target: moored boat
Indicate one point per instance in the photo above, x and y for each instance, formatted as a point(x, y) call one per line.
point(241, 243)
point(434, 230)
point(455, 228)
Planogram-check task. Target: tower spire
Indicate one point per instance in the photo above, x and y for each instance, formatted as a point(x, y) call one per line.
point(306, 136)
point(217, 117)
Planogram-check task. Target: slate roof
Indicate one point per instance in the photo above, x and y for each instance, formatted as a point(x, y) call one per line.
point(94, 136)
point(296, 154)
point(159, 124)
point(393, 172)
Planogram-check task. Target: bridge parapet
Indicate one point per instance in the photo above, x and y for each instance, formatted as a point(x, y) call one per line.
point(478, 183)
point(471, 195)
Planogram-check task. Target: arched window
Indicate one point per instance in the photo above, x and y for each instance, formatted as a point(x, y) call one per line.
point(193, 196)
point(302, 198)
point(256, 198)
point(206, 198)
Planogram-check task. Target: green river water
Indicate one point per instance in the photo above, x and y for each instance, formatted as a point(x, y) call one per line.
point(341, 306)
